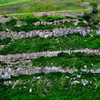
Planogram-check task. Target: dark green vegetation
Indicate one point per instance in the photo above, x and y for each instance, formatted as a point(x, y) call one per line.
point(37, 44)
point(31, 18)
point(2, 27)
point(52, 86)
point(74, 60)
point(5, 41)
point(91, 19)
point(2, 63)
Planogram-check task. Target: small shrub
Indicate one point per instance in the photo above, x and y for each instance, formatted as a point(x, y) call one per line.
point(30, 19)
point(94, 7)
point(82, 24)
point(87, 17)
point(15, 28)
point(2, 63)
point(12, 22)
point(62, 54)
point(5, 41)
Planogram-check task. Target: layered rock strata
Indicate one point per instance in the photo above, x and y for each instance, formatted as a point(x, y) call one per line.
point(28, 56)
point(8, 72)
point(46, 33)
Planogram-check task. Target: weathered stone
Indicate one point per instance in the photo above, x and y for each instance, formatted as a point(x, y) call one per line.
point(28, 56)
point(6, 75)
point(46, 33)
point(36, 69)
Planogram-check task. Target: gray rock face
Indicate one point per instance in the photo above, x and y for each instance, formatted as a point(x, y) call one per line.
point(85, 4)
point(23, 69)
point(29, 56)
point(56, 22)
point(5, 72)
point(36, 69)
point(46, 33)
point(73, 30)
point(4, 20)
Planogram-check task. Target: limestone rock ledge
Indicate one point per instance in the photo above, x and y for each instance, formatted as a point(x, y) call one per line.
point(46, 33)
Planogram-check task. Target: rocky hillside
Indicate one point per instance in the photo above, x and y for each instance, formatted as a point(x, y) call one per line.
point(50, 57)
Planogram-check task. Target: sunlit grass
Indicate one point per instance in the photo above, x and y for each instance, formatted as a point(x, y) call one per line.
point(13, 2)
point(37, 44)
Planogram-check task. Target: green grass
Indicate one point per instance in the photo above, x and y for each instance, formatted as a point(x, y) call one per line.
point(77, 60)
point(37, 44)
point(58, 13)
point(13, 2)
point(52, 86)
point(16, 6)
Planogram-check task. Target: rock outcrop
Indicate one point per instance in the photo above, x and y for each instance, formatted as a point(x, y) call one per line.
point(46, 33)
point(56, 22)
point(35, 69)
point(29, 56)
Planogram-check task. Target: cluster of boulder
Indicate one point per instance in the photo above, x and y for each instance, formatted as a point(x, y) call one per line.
point(46, 33)
point(56, 22)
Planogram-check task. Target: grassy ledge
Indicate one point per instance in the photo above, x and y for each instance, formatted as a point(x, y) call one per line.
point(74, 60)
point(37, 44)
